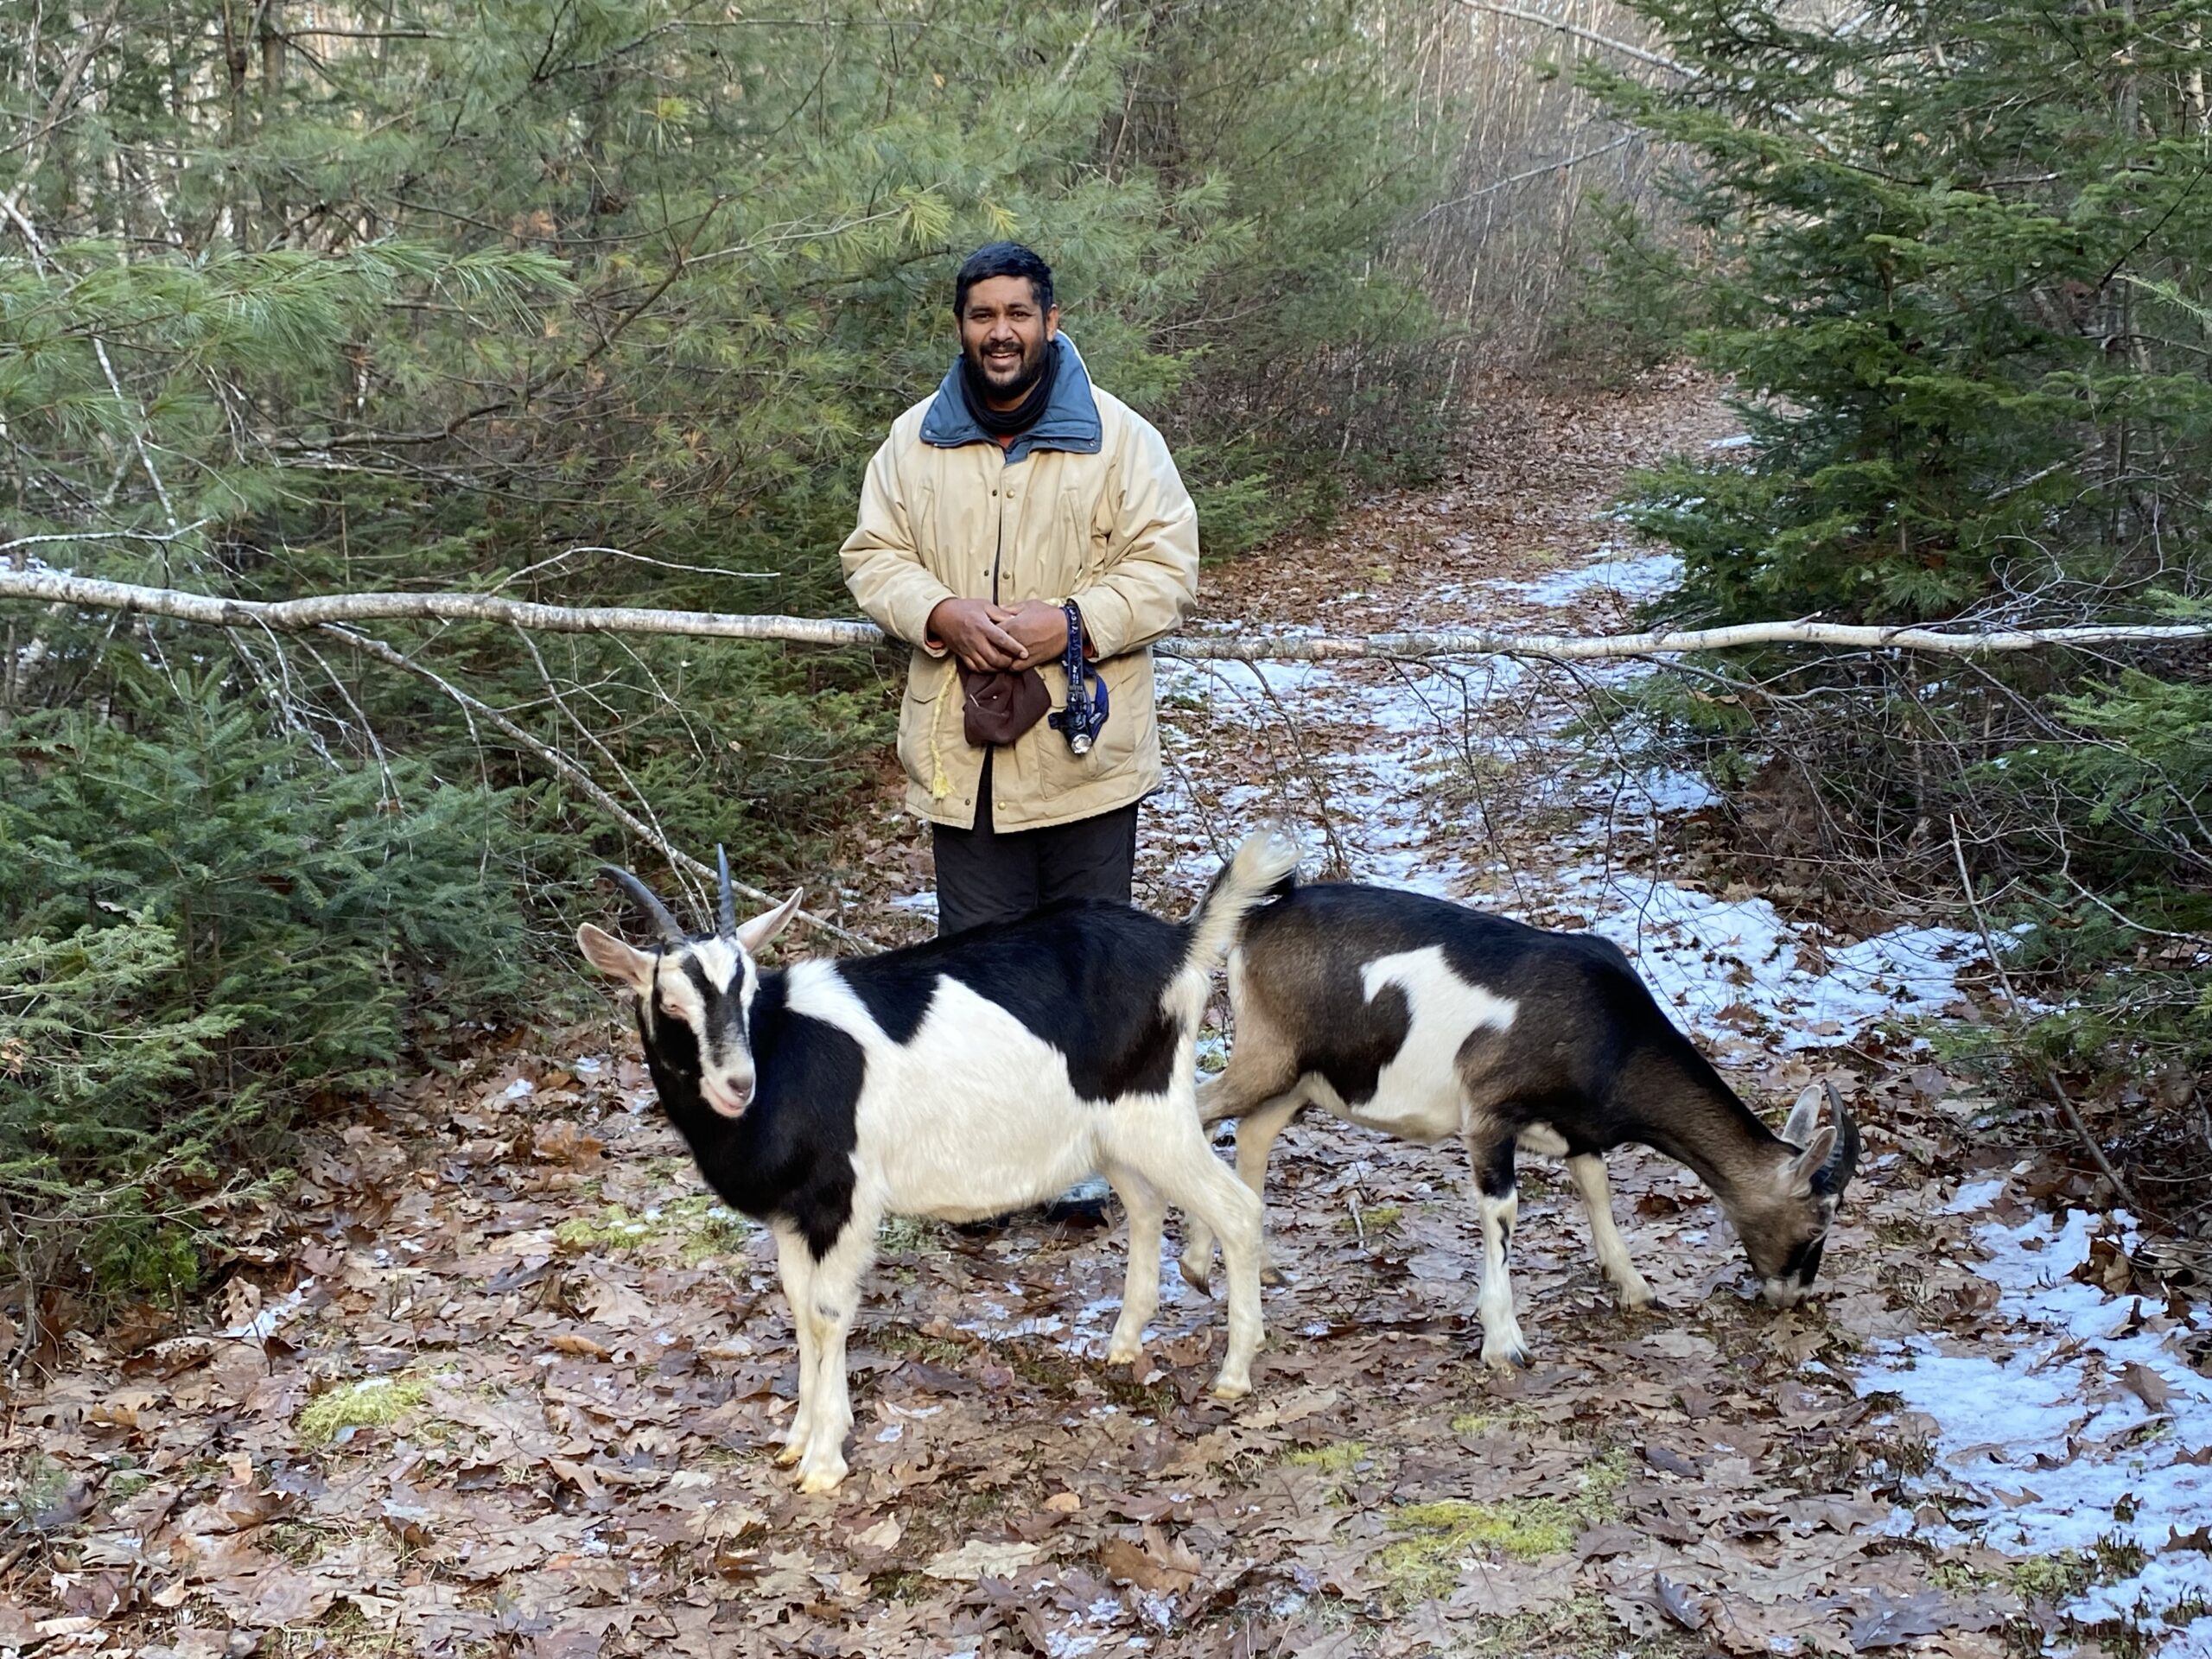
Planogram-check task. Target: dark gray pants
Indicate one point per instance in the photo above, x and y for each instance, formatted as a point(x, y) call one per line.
point(984, 877)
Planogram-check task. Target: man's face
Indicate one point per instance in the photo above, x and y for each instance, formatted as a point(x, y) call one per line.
point(1005, 335)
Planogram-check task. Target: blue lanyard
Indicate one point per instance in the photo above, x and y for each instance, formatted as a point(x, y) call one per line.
point(1085, 715)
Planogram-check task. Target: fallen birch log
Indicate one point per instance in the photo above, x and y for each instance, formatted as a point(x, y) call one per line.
point(299, 615)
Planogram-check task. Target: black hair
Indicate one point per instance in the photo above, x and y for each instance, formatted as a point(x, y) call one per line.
point(1002, 260)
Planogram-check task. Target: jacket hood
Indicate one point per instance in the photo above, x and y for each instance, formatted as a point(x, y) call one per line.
point(1069, 421)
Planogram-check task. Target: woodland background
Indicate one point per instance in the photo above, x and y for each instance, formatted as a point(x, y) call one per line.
point(610, 302)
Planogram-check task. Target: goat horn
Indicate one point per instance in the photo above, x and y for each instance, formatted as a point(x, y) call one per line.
point(1843, 1161)
point(729, 897)
point(671, 931)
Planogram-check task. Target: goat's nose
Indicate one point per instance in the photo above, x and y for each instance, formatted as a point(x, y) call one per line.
point(729, 1095)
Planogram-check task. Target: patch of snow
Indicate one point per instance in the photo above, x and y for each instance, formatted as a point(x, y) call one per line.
point(2057, 1454)
point(1705, 957)
point(1666, 792)
point(1737, 441)
point(922, 904)
point(1644, 577)
point(1975, 1195)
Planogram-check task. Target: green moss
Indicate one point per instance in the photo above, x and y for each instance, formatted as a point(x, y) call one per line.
point(1380, 1219)
point(370, 1403)
point(1602, 1477)
point(616, 1229)
point(708, 1227)
point(915, 1344)
point(1335, 1459)
point(701, 1226)
point(1959, 1578)
point(1425, 1564)
point(908, 1236)
point(2059, 1577)
point(1442, 1535)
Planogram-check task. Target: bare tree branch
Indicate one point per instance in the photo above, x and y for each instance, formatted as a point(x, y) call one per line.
point(298, 616)
point(1623, 48)
point(566, 769)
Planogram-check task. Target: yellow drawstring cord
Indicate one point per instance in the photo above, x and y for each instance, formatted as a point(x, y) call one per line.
point(940, 784)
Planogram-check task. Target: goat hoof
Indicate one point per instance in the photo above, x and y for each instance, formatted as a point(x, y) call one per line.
point(824, 1478)
point(1200, 1279)
point(1123, 1353)
point(788, 1455)
point(1273, 1275)
point(1224, 1389)
point(1505, 1356)
point(1636, 1296)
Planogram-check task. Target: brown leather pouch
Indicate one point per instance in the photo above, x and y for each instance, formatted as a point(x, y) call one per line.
point(998, 705)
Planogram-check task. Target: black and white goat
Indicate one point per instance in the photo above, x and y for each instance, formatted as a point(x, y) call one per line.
point(1427, 1019)
point(958, 1079)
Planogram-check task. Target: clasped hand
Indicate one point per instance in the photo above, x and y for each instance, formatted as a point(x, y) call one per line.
point(987, 636)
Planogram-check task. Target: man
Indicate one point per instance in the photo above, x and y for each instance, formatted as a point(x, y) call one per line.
point(1018, 503)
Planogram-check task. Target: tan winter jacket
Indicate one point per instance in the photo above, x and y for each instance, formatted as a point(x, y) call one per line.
point(1085, 506)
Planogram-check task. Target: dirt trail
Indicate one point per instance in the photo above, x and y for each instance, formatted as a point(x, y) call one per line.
point(502, 1382)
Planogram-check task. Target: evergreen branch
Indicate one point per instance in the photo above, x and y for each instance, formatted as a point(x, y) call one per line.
point(298, 616)
point(10, 207)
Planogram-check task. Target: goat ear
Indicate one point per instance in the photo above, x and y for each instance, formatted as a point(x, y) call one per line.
point(611, 956)
point(1798, 1174)
point(1803, 1114)
point(761, 929)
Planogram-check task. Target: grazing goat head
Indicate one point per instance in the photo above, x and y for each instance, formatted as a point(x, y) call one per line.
point(694, 996)
point(1784, 1213)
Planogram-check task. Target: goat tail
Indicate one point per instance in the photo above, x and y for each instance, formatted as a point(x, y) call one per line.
point(1264, 865)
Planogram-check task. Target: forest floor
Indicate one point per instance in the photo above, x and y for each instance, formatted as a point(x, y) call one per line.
point(499, 1378)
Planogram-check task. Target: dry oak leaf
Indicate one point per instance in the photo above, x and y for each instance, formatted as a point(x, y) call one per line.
point(563, 1143)
point(1303, 1403)
point(1163, 1565)
point(1677, 1602)
point(125, 1407)
point(2146, 1385)
point(1502, 1590)
point(883, 1534)
point(1891, 1622)
point(977, 1558)
point(1787, 1627)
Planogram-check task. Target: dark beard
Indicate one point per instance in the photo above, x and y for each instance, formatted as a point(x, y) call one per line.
point(1032, 386)
point(1032, 366)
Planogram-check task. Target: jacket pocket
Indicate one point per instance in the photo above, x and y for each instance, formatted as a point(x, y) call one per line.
point(1116, 754)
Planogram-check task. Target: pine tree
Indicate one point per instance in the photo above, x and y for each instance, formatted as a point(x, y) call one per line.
point(1958, 278)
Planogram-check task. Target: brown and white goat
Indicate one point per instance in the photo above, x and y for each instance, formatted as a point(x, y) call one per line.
point(1427, 1019)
